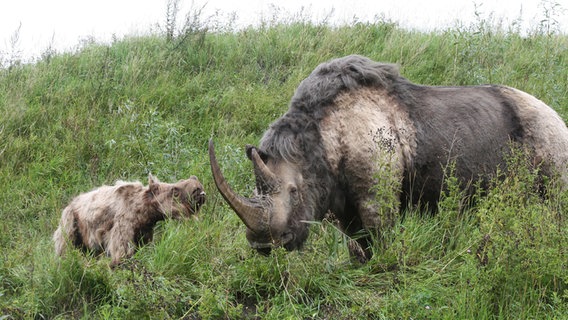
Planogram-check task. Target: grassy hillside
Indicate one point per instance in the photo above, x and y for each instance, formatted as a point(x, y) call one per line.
point(74, 121)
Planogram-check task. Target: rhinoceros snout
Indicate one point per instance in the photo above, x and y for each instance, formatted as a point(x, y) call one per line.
point(198, 196)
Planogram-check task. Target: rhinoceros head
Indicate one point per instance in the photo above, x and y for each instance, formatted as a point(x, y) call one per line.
point(275, 215)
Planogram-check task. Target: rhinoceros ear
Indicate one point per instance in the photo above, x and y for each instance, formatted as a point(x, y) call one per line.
point(153, 183)
point(263, 155)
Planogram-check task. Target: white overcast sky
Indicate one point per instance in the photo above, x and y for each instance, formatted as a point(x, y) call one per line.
point(61, 24)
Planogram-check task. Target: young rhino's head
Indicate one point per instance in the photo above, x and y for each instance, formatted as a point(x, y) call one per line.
point(177, 200)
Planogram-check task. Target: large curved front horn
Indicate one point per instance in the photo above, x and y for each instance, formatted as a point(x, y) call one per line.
point(251, 211)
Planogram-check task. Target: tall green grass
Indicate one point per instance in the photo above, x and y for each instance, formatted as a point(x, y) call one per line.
point(77, 120)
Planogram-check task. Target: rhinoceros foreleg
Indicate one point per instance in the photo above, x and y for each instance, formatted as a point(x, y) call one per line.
point(360, 236)
point(375, 221)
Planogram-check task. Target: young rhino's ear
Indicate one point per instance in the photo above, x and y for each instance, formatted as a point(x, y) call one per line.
point(153, 183)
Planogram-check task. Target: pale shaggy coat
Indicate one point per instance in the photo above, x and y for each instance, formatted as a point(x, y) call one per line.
point(116, 219)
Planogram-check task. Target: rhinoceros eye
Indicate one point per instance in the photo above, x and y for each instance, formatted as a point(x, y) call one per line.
point(294, 195)
point(293, 190)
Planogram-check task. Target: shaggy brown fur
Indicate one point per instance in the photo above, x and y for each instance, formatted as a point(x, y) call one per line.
point(116, 219)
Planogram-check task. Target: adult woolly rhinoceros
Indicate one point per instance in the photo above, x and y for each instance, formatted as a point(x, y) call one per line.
point(327, 151)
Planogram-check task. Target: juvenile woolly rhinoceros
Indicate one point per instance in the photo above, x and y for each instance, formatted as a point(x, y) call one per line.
point(116, 219)
point(352, 114)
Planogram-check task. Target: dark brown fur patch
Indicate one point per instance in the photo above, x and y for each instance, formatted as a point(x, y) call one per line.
point(79, 229)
